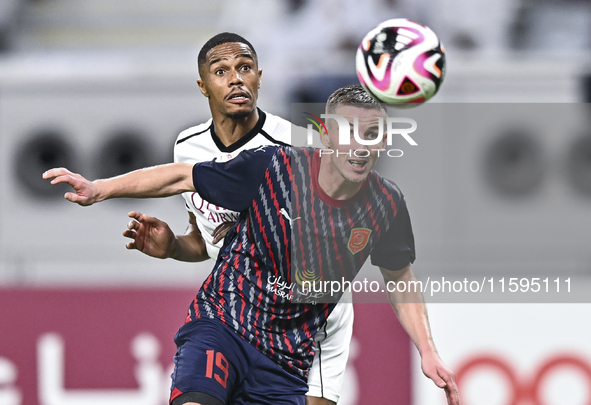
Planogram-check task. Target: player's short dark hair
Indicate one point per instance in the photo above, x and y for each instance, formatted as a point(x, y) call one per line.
point(219, 39)
point(353, 94)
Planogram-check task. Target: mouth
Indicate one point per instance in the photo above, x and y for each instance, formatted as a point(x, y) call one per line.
point(238, 97)
point(358, 165)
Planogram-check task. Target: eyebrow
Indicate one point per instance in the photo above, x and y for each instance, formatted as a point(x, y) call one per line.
point(376, 125)
point(242, 55)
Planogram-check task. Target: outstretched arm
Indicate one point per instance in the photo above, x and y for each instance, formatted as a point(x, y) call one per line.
point(156, 181)
point(412, 313)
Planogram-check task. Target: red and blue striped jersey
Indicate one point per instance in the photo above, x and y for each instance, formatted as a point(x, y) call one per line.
point(289, 228)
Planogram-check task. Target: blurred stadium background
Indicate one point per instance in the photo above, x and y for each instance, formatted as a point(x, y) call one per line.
point(104, 87)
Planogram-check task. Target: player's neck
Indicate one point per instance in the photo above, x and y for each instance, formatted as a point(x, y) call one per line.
point(230, 130)
point(333, 183)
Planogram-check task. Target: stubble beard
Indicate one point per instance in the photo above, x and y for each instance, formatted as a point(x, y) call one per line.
point(240, 115)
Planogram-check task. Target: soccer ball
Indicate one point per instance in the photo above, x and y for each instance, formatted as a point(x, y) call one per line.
point(401, 63)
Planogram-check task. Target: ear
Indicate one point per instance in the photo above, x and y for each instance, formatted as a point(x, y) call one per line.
point(324, 138)
point(202, 88)
point(384, 141)
point(260, 75)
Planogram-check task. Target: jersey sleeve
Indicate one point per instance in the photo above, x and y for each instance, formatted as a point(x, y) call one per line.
point(396, 248)
point(233, 184)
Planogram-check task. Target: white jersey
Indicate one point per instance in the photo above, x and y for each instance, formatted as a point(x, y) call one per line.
point(201, 144)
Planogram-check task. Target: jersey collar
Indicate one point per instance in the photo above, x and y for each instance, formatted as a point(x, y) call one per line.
point(242, 141)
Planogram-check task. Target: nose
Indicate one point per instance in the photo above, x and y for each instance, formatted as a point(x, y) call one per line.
point(356, 145)
point(236, 78)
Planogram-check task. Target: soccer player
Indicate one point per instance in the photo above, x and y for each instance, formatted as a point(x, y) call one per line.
point(282, 194)
point(230, 79)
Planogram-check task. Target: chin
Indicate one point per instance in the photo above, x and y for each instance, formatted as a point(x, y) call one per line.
point(236, 115)
point(357, 178)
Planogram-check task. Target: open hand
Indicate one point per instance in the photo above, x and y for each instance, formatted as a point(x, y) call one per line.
point(86, 192)
point(150, 236)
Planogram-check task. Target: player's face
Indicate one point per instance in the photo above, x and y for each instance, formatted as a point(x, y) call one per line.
point(353, 162)
point(230, 78)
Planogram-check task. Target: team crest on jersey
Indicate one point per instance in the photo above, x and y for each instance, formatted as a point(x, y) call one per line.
point(358, 239)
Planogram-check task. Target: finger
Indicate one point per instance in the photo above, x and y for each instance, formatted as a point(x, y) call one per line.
point(72, 197)
point(130, 234)
point(220, 232)
point(55, 172)
point(448, 377)
point(153, 221)
point(130, 246)
point(435, 376)
point(133, 225)
point(222, 228)
point(135, 215)
point(453, 397)
point(440, 379)
point(451, 391)
point(66, 178)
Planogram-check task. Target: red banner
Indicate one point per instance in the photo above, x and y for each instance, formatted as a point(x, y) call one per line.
point(115, 346)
